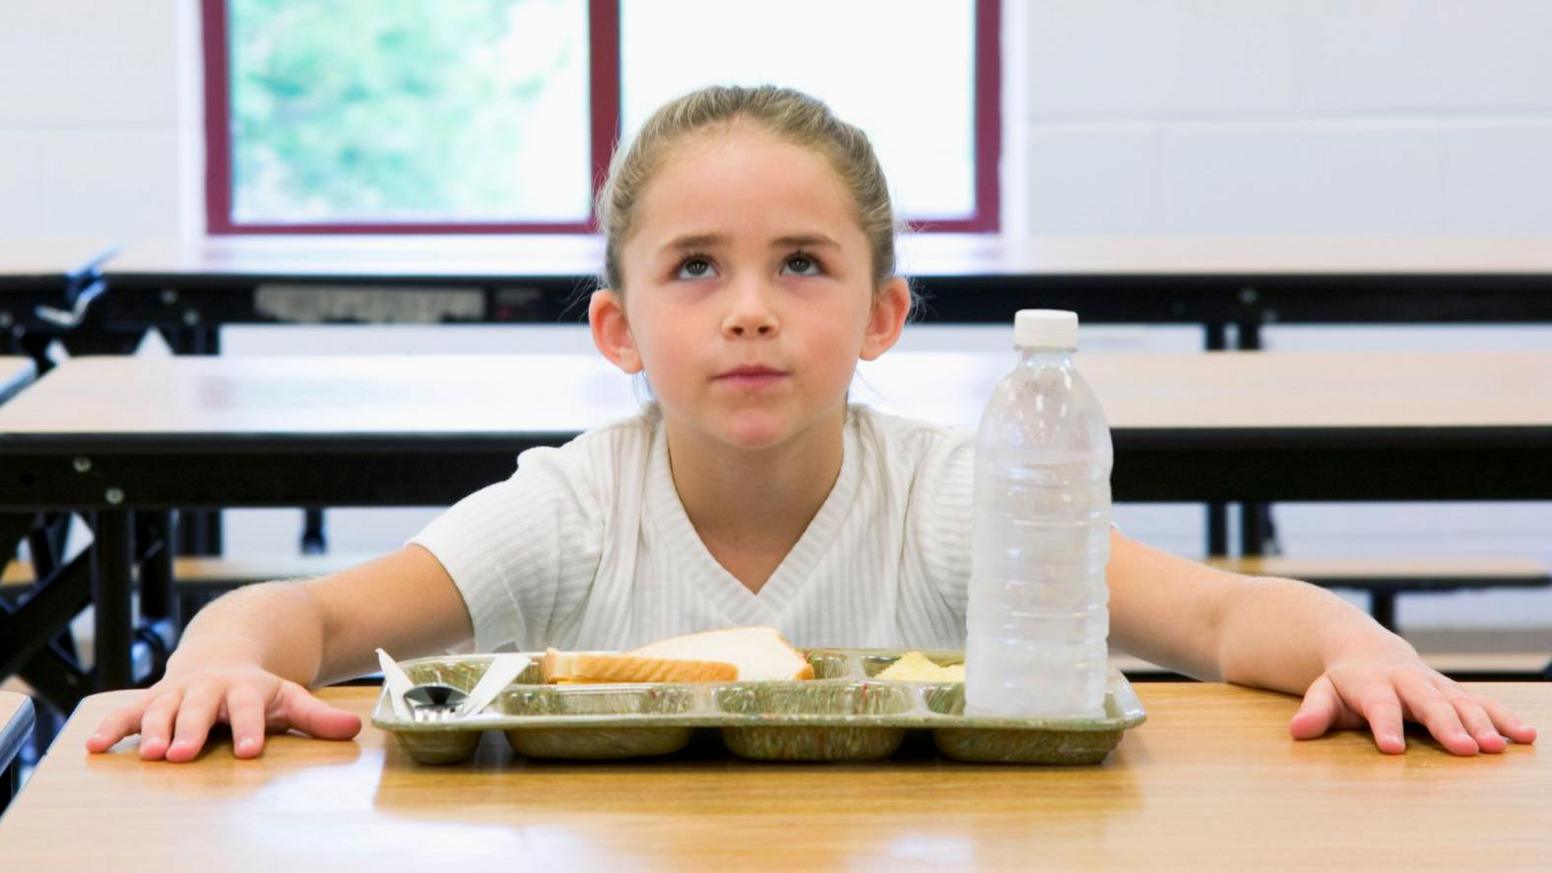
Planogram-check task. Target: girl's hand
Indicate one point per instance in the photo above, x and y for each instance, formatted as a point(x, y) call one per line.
point(1383, 691)
point(174, 716)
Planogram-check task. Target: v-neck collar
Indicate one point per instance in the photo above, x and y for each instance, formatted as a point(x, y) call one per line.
point(666, 512)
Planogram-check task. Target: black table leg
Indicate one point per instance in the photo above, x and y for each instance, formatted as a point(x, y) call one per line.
point(10, 781)
point(158, 594)
point(113, 557)
point(199, 530)
point(1254, 528)
point(1216, 340)
point(1382, 605)
point(314, 540)
point(1217, 528)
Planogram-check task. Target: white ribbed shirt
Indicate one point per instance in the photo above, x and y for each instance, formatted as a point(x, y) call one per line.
point(588, 546)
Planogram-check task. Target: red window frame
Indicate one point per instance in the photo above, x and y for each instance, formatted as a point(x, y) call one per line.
point(604, 85)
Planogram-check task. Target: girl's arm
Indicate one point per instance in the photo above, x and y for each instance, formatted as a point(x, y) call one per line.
point(1294, 637)
point(246, 658)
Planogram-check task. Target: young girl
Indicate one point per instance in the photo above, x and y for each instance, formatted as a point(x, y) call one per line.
point(749, 265)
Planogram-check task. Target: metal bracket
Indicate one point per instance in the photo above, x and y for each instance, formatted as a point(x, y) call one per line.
point(76, 315)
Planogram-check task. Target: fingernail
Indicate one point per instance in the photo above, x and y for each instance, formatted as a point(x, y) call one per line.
point(96, 738)
point(247, 744)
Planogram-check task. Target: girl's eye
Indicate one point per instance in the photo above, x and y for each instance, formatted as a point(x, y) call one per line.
point(695, 268)
point(803, 265)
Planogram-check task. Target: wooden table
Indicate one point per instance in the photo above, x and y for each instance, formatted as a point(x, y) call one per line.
point(1211, 781)
point(1247, 281)
point(115, 436)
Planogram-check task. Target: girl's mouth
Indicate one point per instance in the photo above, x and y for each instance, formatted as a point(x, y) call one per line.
point(751, 376)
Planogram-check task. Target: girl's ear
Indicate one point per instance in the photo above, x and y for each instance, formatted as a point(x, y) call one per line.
point(890, 307)
point(611, 334)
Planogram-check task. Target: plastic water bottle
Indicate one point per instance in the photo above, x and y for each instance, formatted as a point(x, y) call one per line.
point(1038, 614)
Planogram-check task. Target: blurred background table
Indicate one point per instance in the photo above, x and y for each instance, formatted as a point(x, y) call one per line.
point(126, 440)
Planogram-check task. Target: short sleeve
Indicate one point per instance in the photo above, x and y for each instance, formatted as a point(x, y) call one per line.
point(523, 552)
point(940, 516)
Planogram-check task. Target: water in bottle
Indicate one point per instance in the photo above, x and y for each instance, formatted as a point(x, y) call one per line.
point(1038, 615)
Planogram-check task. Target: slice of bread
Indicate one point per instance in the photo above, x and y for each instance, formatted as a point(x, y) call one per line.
point(743, 653)
point(589, 667)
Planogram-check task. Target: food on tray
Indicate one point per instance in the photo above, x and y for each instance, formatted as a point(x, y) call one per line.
point(741, 653)
point(916, 667)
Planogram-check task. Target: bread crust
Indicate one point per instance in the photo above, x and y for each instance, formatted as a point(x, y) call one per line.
point(590, 667)
point(730, 654)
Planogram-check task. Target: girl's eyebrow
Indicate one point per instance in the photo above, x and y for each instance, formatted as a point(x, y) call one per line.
point(805, 241)
point(697, 241)
point(691, 242)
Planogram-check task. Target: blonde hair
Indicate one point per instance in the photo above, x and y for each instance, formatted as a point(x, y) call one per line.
point(789, 115)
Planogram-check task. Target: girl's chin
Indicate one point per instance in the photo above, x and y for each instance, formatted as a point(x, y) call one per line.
point(756, 430)
point(754, 437)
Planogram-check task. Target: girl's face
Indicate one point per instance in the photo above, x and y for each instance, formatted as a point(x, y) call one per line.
point(749, 292)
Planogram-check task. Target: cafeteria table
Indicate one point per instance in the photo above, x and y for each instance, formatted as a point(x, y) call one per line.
point(189, 288)
point(16, 719)
point(1211, 781)
point(47, 286)
point(16, 710)
point(969, 279)
point(116, 437)
point(16, 373)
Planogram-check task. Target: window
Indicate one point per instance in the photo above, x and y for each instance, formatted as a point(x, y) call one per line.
point(327, 116)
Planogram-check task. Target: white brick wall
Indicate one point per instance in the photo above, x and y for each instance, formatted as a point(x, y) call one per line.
point(1340, 178)
point(90, 117)
point(1288, 116)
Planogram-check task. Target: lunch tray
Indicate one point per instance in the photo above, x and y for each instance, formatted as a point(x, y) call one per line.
point(843, 714)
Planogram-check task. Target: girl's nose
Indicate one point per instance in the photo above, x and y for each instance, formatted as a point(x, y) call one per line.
point(750, 314)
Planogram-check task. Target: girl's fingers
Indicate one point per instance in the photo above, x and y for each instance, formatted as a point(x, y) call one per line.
point(1432, 708)
point(1318, 714)
point(201, 706)
point(245, 708)
point(156, 724)
point(1478, 724)
point(1507, 723)
point(122, 723)
point(1380, 707)
point(315, 718)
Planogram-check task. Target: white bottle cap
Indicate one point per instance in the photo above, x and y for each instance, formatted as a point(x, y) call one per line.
point(1045, 329)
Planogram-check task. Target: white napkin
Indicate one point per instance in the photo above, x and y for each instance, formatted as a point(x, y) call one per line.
point(502, 670)
point(398, 683)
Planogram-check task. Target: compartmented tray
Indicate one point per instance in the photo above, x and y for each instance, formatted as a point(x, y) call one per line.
point(843, 714)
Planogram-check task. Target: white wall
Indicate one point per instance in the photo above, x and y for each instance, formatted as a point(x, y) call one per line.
point(1409, 117)
point(1122, 117)
point(92, 126)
